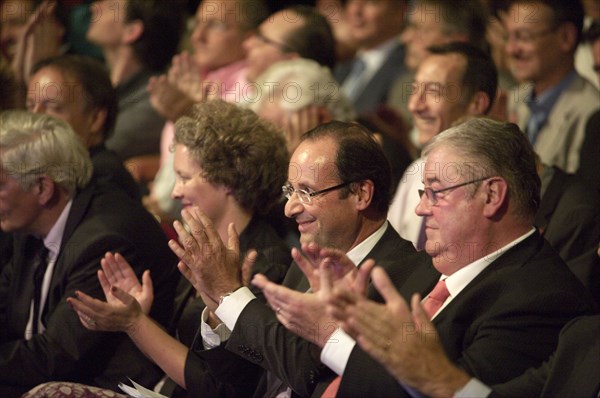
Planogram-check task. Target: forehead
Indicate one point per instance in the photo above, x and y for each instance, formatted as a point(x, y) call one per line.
point(429, 16)
point(278, 25)
point(219, 9)
point(528, 16)
point(50, 83)
point(15, 10)
point(441, 68)
point(313, 162)
point(443, 164)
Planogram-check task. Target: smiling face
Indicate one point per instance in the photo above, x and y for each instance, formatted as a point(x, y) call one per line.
point(533, 45)
point(435, 102)
point(328, 220)
point(218, 37)
point(454, 223)
point(192, 188)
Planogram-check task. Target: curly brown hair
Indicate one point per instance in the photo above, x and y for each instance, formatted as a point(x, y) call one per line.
point(237, 149)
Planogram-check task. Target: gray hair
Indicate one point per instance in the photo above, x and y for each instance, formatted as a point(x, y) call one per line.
point(492, 148)
point(33, 145)
point(300, 82)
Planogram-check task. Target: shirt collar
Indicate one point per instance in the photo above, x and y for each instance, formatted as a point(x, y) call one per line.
point(53, 240)
point(461, 278)
point(542, 104)
point(375, 57)
point(358, 253)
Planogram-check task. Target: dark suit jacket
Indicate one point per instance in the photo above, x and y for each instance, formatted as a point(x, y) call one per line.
point(377, 89)
point(264, 345)
point(98, 221)
point(590, 152)
point(108, 168)
point(273, 261)
point(572, 371)
point(505, 321)
point(569, 218)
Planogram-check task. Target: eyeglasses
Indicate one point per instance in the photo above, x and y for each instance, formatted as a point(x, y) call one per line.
point(305, 196)
point(528, 37)
point(432, 194)
point(282, 46)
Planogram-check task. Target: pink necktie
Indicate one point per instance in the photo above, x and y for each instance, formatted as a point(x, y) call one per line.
point(436, 298)
point(332, 388)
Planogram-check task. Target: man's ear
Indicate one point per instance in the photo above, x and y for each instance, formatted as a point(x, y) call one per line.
point(479, 104)
point(364, 191)
point(98, 119)
point(46, 188)
point(567, 37)
point(133, 31)
point(496, 191)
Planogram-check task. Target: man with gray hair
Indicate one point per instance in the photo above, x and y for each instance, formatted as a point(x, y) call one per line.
point(63, 224)
point(501, 294)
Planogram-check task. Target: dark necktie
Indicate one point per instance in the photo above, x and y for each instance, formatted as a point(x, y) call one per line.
point(40, 264)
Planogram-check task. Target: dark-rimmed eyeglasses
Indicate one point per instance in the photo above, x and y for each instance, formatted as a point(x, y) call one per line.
point(282, 46)
point(305, 196)
point(432, 194)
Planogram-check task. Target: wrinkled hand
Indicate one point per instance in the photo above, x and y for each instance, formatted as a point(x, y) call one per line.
point(299, 122)
point(167, 99)
point(184, 74)
point(406, 343)
point(121, 313)
point(116, 271)
point(212, 268)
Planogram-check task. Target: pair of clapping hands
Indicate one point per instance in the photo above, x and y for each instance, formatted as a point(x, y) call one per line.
point(337, 297)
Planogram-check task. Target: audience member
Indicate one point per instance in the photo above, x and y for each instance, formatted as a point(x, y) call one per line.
point(290, 33)
point(338, 193)
point(219, 161)
point(62, 226)
point(345, 44)
point(501, 292)
point(454, 81)
point(77, 89)
point(416, 358)
point(433, 23)
point(302, 95)
point(217, 68)
point(554, 103)
point(375, 26)
point(138, 39)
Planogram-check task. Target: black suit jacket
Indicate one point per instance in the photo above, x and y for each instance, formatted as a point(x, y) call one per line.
point(572, 371)
point(261, 344)
point(99, 221)
point(109, 169)
point(505, 321)
point(569, 218)
point(377, 89)
point(273, 261)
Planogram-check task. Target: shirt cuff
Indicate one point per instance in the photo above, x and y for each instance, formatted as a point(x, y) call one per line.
point(474, 388)
point(212, 338)
point(337, 350)
point(232, 306)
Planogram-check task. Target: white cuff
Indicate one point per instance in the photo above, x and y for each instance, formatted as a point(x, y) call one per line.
point(474, 388)
point(212, 338)
point(232, 306)
point(337, 350)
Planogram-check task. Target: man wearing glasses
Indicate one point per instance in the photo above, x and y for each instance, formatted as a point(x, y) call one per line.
point(338, 193)
point(295, 32)
point(554, 102)
point(506, 293)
